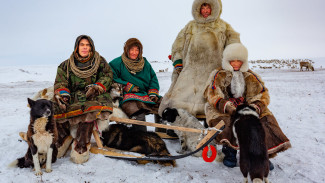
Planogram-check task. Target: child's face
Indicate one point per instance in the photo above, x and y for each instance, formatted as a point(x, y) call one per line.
point(236, 64)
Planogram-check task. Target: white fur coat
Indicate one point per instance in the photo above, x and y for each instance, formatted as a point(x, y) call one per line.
point(200, 45)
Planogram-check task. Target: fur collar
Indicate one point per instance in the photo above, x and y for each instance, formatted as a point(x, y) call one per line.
point(237, 84)
point(216, 9)
point(235, 51)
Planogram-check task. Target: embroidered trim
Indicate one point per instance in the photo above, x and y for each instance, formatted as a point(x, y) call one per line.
point(215, 104)
point(178, 66)
point(178, 62)
point(63, 91)
point(79, 111)
point(153, 92)
point(214, 80)
point(100, 84)
point(132, 96)
point(237, 101)
point(128, 88)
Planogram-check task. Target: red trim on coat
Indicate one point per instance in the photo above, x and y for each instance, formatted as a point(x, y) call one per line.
point(79, 111)
point(215, 104)
point(100, 84)
point(214, 80)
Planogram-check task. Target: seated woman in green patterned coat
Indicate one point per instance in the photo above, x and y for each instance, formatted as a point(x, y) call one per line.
point(141, 87)
point(81, 101)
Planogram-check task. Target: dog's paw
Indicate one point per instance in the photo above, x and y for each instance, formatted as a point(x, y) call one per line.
point(48, 170)
point(38, 173)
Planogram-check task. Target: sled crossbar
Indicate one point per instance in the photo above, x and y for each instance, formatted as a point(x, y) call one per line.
point(136, 122)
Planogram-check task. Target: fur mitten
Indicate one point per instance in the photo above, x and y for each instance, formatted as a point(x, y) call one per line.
point(229, 108)
point(257, 108)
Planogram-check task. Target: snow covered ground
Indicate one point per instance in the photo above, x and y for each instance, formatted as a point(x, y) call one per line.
point(297, 101)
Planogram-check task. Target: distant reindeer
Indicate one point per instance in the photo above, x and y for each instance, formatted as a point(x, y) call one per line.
point(307, 65)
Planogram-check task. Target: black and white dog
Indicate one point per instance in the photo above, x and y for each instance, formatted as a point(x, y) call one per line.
point(180, 117)
point(250, 136)
point(120, 136)
point(41, 138)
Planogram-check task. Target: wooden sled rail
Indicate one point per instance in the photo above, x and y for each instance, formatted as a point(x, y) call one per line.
point(131, 121)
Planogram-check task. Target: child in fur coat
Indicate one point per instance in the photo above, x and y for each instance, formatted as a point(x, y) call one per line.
point(234, 84)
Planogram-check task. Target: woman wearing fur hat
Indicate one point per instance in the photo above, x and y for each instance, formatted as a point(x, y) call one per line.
point(81, 98)
point(232, 85)
point(141, 87)
point(196, 51)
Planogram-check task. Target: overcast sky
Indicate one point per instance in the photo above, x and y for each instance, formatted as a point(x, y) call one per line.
point(43, 32)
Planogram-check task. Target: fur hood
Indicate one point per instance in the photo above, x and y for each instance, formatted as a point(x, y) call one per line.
point(216, 9)
point(133, 42)
point(79, 38)
point(235, 51)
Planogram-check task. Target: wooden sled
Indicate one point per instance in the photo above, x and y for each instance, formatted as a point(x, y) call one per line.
point(119, 154)
point(98, 148)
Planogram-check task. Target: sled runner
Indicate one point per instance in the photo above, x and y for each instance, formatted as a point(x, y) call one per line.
point(210, 133)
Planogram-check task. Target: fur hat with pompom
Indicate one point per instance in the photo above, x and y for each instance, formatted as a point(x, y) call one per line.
point(235, 51)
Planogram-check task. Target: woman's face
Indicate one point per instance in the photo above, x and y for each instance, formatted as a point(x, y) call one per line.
point(236, 64)
point(84, 48)
point(134, 52)
point(205, 11)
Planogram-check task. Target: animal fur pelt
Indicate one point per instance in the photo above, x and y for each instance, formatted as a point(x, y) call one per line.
point(41, 138)
point(180, 117)
point(126, 138)
point(46, 93)
point(250, 136)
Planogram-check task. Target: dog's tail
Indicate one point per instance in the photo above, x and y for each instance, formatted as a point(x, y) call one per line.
point(21, 163)
point(13, 164)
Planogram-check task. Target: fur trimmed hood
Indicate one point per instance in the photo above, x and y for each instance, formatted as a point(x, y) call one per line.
point(235, 51)
point(133, 42)
point(79, 38)
point(216, 9)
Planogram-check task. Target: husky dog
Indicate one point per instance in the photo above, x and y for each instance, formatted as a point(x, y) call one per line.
point(250, 136)
point(116, 92)
point(121, 137)
point(180, 117)
point(41, 138)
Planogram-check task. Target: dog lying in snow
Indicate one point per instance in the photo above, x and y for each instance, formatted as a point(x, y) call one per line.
point(250, 135)
point(180, 117)
point(121, 137)
point(41, 138)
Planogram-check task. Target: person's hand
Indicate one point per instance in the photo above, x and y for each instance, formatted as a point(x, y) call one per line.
point(93, 90)
point(257, 109)
point(65, 99)
point(230, 108)
point(179, 70)
point(154, 98)
point(61, 102)
point(135, 89)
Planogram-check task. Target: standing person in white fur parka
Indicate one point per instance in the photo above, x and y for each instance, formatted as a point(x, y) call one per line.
point(196, 51)
point(232, 85)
